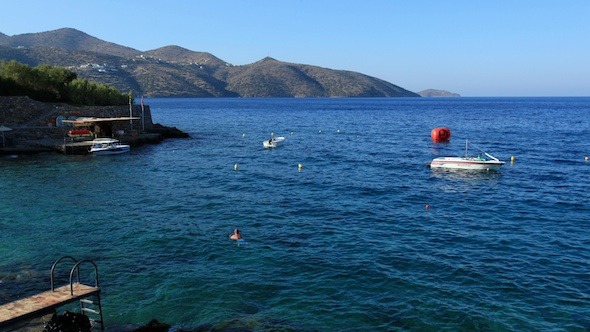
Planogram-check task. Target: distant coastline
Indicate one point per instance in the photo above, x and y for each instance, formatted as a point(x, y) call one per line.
point(173, 71)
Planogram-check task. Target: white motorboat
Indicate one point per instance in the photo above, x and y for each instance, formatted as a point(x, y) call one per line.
point(272, 143)
point(104, 146)
point(483, 161)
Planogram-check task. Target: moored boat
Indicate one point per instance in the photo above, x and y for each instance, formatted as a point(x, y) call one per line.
point(483, 161)
point(105, 146)
point(272, 143)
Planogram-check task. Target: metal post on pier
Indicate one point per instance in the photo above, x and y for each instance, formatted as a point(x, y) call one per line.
point(142, 117)
point(130, 114)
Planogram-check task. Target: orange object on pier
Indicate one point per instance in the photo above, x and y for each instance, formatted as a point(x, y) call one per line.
point(80, 133)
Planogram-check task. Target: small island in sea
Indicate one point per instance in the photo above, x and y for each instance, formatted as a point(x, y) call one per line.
point(437, 93)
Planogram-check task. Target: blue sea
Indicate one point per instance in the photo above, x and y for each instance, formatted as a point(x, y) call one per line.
point(364, 236)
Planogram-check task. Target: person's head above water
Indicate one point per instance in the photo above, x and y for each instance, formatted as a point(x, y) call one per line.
point(236, 235)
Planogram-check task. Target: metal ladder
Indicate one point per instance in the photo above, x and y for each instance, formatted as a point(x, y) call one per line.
point(87, 306)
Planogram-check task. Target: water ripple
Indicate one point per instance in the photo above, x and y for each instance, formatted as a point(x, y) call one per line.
point(345, 243)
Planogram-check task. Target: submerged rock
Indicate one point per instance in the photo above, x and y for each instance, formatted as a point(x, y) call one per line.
point(154, 326)
point(68, 322)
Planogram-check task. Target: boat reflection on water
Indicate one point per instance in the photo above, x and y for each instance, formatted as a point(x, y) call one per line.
point(465, 174)
point(461, 181)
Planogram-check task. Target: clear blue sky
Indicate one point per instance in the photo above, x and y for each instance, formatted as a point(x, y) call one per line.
point(474, 48)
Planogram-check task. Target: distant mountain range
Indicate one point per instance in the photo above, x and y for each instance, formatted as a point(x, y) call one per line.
point(173, 71)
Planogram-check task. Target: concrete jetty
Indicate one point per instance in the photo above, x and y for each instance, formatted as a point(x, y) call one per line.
point(33, 127)
point(69, 146)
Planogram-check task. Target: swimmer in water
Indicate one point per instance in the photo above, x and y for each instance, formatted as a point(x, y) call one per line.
point(236, 235)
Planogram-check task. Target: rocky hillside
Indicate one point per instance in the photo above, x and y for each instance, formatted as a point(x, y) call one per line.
point(173, 71)
point(68, 39)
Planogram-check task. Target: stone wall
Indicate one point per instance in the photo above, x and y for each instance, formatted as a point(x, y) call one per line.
point(31, 119)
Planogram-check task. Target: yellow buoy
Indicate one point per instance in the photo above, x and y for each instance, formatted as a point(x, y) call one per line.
point(299, 167)
point(512, 159)
point(235, 167)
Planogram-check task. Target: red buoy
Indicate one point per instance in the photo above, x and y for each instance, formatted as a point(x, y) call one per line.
point(440, 134)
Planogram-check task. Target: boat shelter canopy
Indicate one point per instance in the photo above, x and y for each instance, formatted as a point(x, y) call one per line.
point(85, 122)
point(105, 127)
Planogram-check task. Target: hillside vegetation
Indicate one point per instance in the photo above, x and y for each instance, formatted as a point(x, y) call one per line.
point(55, 84)
point(173, 71)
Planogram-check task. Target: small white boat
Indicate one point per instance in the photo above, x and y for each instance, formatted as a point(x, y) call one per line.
point(104, 146)
point(272, 143)
point(483, 161)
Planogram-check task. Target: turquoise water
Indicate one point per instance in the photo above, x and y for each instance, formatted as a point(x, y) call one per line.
point(344, 244)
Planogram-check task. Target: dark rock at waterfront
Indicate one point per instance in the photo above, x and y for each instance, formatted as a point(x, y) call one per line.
point(68, 322)
point(167, 132)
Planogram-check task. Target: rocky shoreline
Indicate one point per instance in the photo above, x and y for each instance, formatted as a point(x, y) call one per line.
point(29, 126)
point(74, 321)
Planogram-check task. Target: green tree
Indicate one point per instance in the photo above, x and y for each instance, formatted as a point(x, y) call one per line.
point(55, 84)
point(57, 80)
